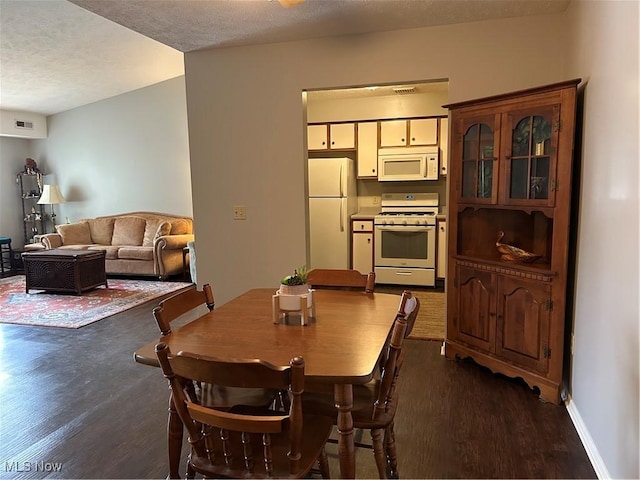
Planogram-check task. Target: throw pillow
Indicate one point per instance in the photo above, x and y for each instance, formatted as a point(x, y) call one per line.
point(101, 230)
point(128, 231)
point(75, 233)
point(153, 230)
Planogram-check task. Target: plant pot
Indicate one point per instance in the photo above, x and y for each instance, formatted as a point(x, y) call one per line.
point(294, 289)
point(289, 296)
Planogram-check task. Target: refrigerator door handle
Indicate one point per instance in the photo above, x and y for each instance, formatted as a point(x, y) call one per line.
point(342, 216)
point(341, 182)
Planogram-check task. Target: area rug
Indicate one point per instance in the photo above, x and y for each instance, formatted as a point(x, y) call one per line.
point(431, 321)
point(75, 311)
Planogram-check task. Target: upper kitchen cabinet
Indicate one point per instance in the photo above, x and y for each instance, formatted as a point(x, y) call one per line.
point(413, 132)
point(367, 150)
point(443, 141)
point(509, 211)
point(318, 137)
point(423, 131)
point(334, 136)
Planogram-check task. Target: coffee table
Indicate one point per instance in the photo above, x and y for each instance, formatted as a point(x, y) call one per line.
point(66, 271)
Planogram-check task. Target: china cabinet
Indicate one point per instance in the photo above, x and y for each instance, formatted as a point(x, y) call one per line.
point(34, 218)
point(511, 173)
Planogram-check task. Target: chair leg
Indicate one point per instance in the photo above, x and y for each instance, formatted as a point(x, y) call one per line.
point(323, 464)
point(378, 452)
point(191, 473)
point(390, 447)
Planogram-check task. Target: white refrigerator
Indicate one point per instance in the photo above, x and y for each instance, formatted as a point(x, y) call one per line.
point(332, 201)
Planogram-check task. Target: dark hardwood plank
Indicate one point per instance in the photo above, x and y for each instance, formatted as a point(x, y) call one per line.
point(65, 396)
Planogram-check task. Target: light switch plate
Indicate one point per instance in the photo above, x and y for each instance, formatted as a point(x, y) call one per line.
point(239, 212)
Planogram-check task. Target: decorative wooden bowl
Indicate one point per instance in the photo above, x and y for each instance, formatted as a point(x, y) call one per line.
point(514, 254)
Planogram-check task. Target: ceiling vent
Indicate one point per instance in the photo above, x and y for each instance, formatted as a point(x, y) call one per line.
point(404, 90)
point(24, 124)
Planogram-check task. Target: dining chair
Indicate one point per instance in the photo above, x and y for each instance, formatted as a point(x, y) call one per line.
point(177, 305)
point(217, 396)
point(375, 403)
point(243, 442)
point(350, 279)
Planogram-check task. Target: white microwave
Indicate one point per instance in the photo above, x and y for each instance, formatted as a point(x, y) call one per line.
point(408, 163)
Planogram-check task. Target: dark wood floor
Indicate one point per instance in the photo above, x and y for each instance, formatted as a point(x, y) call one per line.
point(76, 397)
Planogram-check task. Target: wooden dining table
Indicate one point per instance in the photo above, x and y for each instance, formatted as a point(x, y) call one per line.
point(341, 347)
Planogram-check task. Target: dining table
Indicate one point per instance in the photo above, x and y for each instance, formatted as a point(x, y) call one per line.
point(341, 347)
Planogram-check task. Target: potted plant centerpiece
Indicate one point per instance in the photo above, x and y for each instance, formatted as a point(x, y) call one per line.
point(296, 283)
point(293, 288)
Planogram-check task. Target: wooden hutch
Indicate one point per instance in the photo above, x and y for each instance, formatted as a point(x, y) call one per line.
point(511, 172)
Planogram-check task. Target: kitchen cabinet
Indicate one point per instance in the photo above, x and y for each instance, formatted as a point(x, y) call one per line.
point(409, 133)
point(318, 137)
point(511, 172)
point(333, 136)
point(423, 131)
point(362, 245)
point(441, 258)
point(367, 150)
point(393, 133)
point(443, 142)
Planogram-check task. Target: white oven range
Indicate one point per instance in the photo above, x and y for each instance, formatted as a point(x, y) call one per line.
point(405, 239)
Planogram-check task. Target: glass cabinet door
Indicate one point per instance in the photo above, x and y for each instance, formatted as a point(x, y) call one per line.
point(479, 173)
point(529, 163)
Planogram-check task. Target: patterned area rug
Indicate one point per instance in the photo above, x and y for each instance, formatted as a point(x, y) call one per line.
point(431, 321)
point(75, 311)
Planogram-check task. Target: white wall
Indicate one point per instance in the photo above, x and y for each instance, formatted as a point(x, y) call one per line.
point(603, 50)
point(246, 130)
point(127, 153)
point(246, 124)
point(13, 153)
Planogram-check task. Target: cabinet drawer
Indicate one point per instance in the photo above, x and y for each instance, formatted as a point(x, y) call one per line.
point(363, 225)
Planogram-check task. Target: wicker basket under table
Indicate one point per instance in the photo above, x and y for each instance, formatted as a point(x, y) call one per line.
point(66, 271)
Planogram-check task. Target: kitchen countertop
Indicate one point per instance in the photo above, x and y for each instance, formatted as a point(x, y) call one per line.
point(366, 213)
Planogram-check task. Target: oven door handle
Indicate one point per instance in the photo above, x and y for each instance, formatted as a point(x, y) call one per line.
point(405, 229)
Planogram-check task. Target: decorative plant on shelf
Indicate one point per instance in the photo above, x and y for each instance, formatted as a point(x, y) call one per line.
point(296, 283)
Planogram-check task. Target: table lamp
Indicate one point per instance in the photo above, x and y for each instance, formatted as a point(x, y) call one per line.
point(51, 196)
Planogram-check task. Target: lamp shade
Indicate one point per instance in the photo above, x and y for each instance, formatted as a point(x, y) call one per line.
point(51, 195)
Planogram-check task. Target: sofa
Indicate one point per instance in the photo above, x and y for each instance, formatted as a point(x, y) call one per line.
point(136, 243)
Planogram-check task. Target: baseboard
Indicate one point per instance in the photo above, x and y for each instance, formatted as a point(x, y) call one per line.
point(587, 441)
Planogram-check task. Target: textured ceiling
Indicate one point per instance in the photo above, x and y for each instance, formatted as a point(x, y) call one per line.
point(56, 55)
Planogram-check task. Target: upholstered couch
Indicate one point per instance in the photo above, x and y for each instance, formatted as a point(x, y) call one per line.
point(136, 243)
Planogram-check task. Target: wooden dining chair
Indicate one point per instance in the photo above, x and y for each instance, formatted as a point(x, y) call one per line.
point(177, 305)
point(242, 442)
point(375, 403)
point(337, 278)
point(212, 395)
point(208, 394)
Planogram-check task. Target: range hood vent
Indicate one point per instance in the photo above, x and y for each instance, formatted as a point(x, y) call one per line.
point(404, 90)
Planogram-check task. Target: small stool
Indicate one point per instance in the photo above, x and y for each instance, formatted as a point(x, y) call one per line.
point(5, 249)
